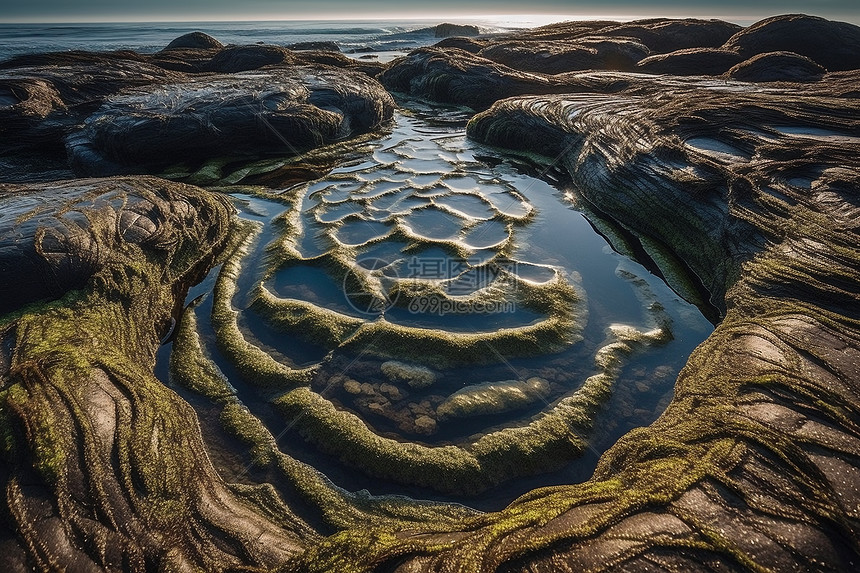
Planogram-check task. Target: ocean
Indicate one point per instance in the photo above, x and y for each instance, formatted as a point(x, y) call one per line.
point(349, 35)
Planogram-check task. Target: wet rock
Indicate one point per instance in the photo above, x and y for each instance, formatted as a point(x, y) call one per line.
point(415, 376)
point(196, 40)
point(46, 95)
point(288, 110)
point(833, 45)
point(447, 29)
point(425, 425)
point(455, 76)
point(352, 386)
point(338, 60)
point(186, 60)
point(691, 62)
point(47, 101)
point(493, 398)
point(777, 67)
point(82, 373)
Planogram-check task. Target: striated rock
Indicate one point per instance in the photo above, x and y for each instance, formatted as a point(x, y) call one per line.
point(752, 466)
point(558, 57)
point(186, 60)
point(46, 95)
point(691, 62)
point(660, 35)
point(195, 40)
point(833, 45)
point(664, 35)
point(60, 101)
point(777, 67)
point(456, 76)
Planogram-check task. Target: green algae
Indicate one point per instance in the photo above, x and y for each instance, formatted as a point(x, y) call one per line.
point(544, 443)
point(257, 366)
point(428, 346)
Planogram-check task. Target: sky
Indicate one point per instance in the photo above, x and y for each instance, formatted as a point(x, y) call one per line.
point(212, 10)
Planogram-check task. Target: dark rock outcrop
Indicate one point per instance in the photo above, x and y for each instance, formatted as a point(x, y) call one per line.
point(472, 45)
point(52, 102)
point(660, 35)
point(455, 76)
point(447, 29)
point(321, 46)
point(44, 101)
point(194, 40)
point(834, 45)
point(283, 111)
point(691, 62)
point(752, 467)
point(233, 59)
point(777, 67)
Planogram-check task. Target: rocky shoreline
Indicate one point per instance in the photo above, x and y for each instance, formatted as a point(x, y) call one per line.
point(729, 153)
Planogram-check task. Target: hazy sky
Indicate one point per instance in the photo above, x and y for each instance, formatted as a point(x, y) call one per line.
point(202, 10)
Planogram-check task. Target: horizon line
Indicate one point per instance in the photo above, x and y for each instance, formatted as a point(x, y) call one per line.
point(544, 18)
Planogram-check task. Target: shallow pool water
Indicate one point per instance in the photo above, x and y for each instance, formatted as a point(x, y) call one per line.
point(478, 273)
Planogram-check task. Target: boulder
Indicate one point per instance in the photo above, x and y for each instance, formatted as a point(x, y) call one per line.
point(234, 59)
point(447, 29)
point(665, 35)
point(195, 40)
point(777, 67)
point(285, 111)
point(833, 45)
point(454, 76)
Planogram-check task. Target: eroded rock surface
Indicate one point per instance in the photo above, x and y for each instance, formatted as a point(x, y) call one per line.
point(124, 112)
point(99, 454)
point(753, 464)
